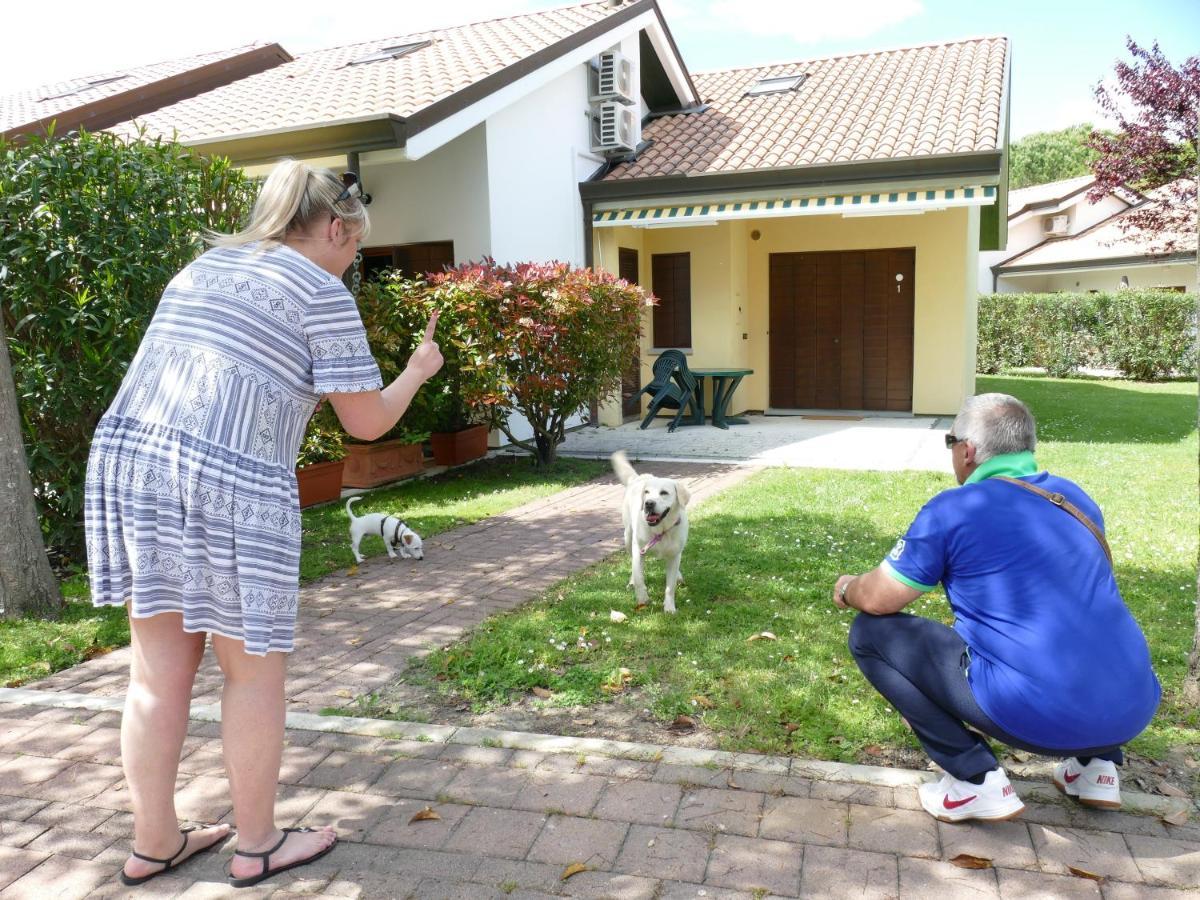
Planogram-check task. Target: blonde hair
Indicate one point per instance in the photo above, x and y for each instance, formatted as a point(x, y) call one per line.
point(294, 196)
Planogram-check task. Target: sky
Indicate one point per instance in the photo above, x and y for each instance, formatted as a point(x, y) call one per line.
point(1061, 48)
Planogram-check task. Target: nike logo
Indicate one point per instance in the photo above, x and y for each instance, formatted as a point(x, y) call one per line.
point(1069, 778)
point(955, 804)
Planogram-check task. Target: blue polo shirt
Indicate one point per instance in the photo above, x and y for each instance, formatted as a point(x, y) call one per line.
point(1057, 659)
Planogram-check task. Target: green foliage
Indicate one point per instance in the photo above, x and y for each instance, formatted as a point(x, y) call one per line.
point(1047, 156)
point(324, 440)
point(1145, 334)
point(91, 231)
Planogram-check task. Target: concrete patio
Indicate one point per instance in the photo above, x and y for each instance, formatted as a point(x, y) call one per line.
point(885, 443)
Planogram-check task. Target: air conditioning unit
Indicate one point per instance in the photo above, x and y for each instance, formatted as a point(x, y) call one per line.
point(615, 128)
point(1055, 225)
point(612, 79)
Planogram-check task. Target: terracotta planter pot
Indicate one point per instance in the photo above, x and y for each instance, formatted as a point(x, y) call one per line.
point(368, 465)
point(320, 482)
point(453, 448)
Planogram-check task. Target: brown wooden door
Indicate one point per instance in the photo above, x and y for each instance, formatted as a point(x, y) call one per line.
point(631, 382)
point(841, 329)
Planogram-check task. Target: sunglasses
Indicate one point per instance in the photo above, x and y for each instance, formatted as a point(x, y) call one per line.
point(952, 439)
point(352, 188)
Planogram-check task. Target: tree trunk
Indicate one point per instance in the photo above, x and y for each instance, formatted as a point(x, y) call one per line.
point(1191, 681)
point(27, 585)
point(547, 450)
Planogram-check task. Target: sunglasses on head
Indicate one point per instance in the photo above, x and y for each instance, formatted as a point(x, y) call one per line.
point(952, 439)
point(351, 188)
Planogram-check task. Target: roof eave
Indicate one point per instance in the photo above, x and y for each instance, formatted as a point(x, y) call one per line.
point(377, 133)
point(1108, 262)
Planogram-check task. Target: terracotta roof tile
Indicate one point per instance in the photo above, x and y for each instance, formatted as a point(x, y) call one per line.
point(918, 101)
point(320, 87)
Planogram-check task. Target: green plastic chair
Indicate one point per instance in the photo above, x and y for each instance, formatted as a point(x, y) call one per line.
point(673, 387)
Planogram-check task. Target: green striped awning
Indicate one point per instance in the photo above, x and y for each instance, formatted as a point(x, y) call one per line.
point(880, 203)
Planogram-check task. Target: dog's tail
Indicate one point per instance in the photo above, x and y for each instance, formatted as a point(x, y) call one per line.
point(622, 467)
point(350, 503)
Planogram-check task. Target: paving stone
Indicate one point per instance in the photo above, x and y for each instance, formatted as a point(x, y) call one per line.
point(160, 888)
point(664, 853)
point(347, 743)
point(497, 832)
point(15, 862)
point(48, 739)
point(18, 809)
point(724, 811)
point(75, 844)
point(1018, 885)
point(566, 840)
point(445, 889)
point(510, 873)
point(1006, 844)
point(610, 886)
point(11, 731)
point(30, 775)
point(768, 783)
point(486, 787)
point(478, 756)
point(419, 778)
point(1046, 814)
point(19, 834)
point(1118, 890)
point(203, 799)
point(834, 872)
point(80, 817)
point(207, 759)
point(618, 768)
point(886, 830)
point(296, 763)
point(353, 815)
point(678, 890)
point(1166, 862)
point(643, 802)
point(691, 776)
point(1092, 851)
point(805, 821)
point(865, 794)
point(1112, 820)
point(99, 745)
point(344, 771)
point(59, 877)
point(573, 795)
point(118, 826)
point(754, 863)
point(397, 749)
point(921, 879)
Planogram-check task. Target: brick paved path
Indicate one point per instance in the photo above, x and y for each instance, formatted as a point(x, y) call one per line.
point(511, 820)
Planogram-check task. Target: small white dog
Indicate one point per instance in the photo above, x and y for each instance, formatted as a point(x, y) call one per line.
point(655, 515)
point(397, 536)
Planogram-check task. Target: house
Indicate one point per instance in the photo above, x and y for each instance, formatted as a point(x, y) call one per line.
point(817, 221)
point(98, 101)
point(1059, 240)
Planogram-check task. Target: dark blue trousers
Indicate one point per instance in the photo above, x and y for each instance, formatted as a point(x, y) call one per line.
point(920, 666)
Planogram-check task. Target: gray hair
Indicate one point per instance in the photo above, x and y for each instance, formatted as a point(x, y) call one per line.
point(293, 196)
point(996, 424)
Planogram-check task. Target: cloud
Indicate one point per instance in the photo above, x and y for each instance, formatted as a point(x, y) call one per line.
point(808, 21)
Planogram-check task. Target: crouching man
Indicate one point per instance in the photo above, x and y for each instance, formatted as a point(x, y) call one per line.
point(1043, 656)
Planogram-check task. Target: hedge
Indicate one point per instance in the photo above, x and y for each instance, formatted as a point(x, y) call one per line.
point(1146, 335)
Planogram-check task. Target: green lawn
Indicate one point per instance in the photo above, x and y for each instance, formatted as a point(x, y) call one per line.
point(31, 649)
point(764, 555)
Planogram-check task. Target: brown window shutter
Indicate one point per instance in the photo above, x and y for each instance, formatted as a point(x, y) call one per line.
point(671, 282)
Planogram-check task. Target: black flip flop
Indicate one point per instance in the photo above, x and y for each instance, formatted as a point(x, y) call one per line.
point(265, 856)
point(167, 864)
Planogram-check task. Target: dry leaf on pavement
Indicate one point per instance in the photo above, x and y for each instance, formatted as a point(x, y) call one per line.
point(428, 814)
point(1084, 873)
point(1165, 787)
point(573, 869)
point(1178, 817)
point(966, 861)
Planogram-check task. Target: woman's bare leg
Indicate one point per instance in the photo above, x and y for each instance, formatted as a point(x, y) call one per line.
point(252, 717)
point(153, 727)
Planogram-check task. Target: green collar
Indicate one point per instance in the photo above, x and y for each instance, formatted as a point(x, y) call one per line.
point(1015, 465)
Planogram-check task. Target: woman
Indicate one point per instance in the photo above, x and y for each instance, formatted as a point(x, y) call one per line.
point(192, 516)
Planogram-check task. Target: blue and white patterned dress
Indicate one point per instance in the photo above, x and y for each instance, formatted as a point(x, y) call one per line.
point(191, 503)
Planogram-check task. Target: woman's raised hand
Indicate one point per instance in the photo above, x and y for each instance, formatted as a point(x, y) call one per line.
point(427, 358)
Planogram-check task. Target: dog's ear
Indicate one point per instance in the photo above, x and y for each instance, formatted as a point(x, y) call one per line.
point(407, 538)
point(682, 493)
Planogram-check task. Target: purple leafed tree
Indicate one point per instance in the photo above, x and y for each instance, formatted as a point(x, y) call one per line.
point(1153, 151)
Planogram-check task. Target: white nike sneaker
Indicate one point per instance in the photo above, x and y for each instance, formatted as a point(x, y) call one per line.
point(952, 800)
point(1096, 784)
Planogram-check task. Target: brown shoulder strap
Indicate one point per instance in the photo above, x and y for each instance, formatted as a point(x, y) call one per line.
point(1062, 503)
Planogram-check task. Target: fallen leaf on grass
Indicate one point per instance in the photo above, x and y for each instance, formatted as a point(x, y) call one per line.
point(1179, 817)
point(701, 700)
point(967, 861)
point(616, 616)
point(1170, 790)
point(790, 727)
point(873, 750)
point(837, 739)
point(542, 692)
point(762, 636)
point(1084, 873)
point(641, 606)
point(428, 814)
point(583, 723)
point(573, 869)
point(682, 723)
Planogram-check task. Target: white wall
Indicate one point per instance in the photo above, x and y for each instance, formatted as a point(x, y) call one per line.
point(443, 196)
point(1110, 279)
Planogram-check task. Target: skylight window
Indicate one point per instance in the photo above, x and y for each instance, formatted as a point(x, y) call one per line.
point(86, 86)
point(390, 53)
point(776, 85)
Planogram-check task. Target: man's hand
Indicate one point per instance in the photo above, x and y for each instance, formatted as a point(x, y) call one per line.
point(839, 588)
point(427, 358)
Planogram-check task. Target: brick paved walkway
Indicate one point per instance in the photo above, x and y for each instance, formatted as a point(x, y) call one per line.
point(645, 822)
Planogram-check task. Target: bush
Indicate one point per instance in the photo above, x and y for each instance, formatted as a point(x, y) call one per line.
point(91, 231)
point(1144, 334)
point(324, 440)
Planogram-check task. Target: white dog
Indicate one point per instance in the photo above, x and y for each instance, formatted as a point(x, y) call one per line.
point(397, 536)
point(655, 516)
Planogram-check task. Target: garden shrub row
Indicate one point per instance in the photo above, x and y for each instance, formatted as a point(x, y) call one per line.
point(1146, 335)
